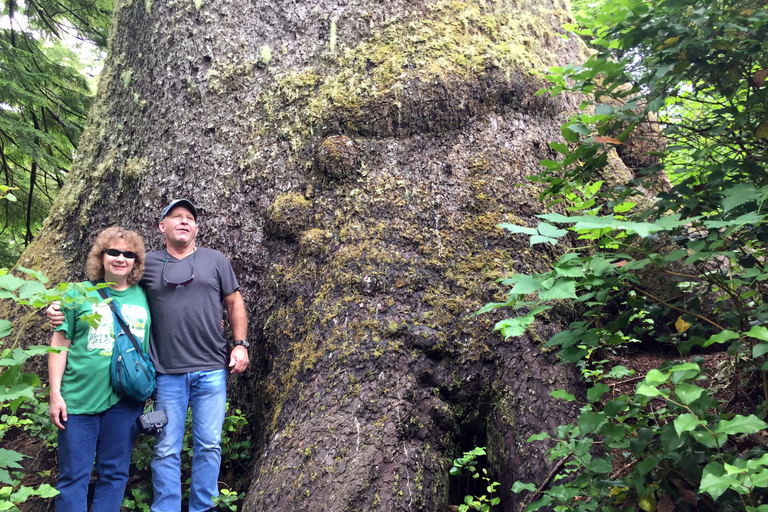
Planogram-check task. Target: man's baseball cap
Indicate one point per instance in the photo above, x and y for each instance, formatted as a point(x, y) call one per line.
point(186, 203)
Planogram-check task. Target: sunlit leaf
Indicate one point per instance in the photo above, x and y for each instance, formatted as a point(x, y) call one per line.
point(741, 425)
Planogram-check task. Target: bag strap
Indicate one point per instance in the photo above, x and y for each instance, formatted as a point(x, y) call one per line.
point(118, 318)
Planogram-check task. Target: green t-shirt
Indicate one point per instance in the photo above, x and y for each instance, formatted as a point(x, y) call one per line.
point(85, 385)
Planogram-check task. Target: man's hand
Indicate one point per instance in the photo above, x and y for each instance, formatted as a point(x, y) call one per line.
point(58, 411)
point(238, 359)
point(55, 317)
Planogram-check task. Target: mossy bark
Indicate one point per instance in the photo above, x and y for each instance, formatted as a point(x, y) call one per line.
point(353, 160)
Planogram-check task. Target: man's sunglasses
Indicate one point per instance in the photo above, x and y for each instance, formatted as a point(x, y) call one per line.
point(183, 283)
point(129, 255)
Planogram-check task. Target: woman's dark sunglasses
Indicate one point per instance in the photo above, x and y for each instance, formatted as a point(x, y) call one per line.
point(129, 255)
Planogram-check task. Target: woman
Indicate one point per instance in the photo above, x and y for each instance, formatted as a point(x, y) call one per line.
point(93, 420)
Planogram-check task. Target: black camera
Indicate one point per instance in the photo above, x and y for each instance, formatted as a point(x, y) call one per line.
point(152, 422)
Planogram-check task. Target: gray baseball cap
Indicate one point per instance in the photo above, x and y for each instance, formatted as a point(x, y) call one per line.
point(186, 203)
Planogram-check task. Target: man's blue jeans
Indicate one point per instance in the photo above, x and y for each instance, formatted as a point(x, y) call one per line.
point(109, 436)
point(206, 393)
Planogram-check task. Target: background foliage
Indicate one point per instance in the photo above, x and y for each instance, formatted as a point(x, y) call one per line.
point(44, 101)
point(682, 83)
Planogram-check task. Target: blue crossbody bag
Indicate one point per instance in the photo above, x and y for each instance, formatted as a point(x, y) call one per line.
point(131, 370)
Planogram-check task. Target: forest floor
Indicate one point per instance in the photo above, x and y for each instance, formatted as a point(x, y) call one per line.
point(40, 462)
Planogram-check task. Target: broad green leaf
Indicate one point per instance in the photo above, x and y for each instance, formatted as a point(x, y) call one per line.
point(646, 390)
point(655, 376)
point(615, 407)
point(539, 437)
point(715, 481)
point(594, 394)
point(686, 423)
point(561, 393)
point(6, 327)
point(10, 282)
point(721, 337)
point(758, 332)
point(569, 271)
point(756, 463)
point(759, 349)
point(10, 459)
point(740, 194)
point(526, 284)
point(538, 239)
point(549, 230)
point(46, 491)
point(30, 289)
point(741, 425)
point(512, 228)
point(562, 289)
point(602, 466)
point(742, 220)
point(688, 393)
point(624, 207)
point(709, 440)
point(512, 327)
point(519, 486)
point(589, 422)
point(559, 147)
point(646, 466)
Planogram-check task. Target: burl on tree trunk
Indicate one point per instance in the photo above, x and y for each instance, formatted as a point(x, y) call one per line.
point(353, 159)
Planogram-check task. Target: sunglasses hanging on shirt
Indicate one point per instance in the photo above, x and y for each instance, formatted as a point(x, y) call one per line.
point(174, 284)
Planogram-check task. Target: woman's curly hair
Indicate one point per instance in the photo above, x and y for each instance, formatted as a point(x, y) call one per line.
point(94, 265)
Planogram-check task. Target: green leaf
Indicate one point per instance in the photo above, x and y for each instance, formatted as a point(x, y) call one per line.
point(688, 393)
point(559, 147)
point(6, 327)
point(686, 423)
point(526, 284)
point(519, 486)
point(655, 376)
point(715, 481)
point(10, 282)
point(538, 239)
point(589, 422)
point(709, 440)
point(594, 394)
point(646, 390)
point(46, 491)
point(10, 459)
point(758, 332)
point(512, 228)
point(30, 289)
point(601, 466)
point(721, 337)
point(759, 349)
point(551, 231)
point(562, 289)
point(539, 437)
point(561, 393)
point(741, 425)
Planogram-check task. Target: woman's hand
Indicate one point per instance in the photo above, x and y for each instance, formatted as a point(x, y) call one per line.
point(54, 314)
point(58, 410)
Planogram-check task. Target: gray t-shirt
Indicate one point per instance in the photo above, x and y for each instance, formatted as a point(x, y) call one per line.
point(186, 319)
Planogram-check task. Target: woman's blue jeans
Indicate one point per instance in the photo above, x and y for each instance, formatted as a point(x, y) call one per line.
point(108, 436)
point(206, 393)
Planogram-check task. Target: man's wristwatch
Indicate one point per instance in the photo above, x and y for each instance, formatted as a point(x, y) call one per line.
point(241, 343)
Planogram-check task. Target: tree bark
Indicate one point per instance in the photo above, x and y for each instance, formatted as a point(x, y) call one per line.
point(353, 159)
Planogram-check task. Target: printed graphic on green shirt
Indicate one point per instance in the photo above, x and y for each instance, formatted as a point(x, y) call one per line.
point(102, 338)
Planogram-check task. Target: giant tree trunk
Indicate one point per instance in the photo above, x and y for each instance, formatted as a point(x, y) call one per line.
point(352, 158)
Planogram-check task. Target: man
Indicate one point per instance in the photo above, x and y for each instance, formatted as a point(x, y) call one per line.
point(188, 288)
